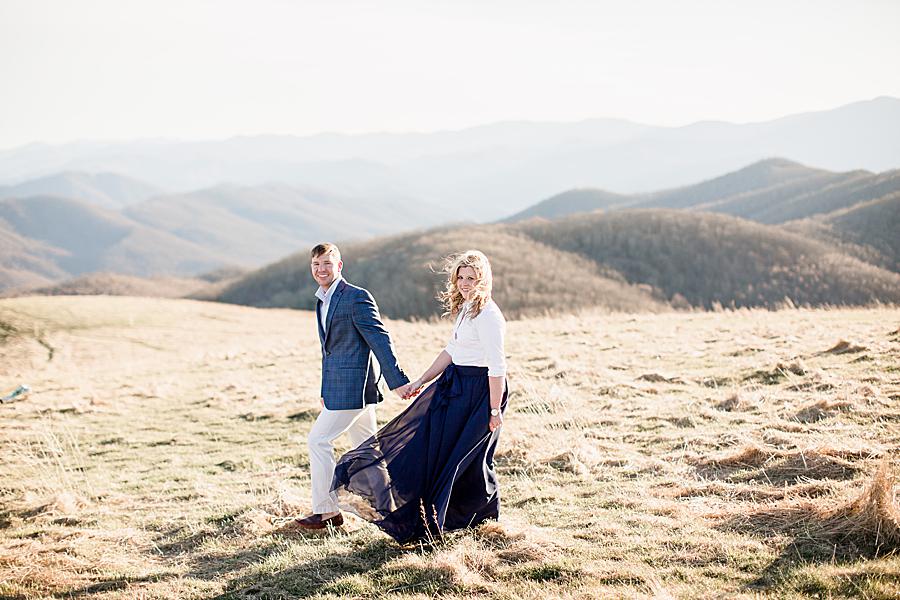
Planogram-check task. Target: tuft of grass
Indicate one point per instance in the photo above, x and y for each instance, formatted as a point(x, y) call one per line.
point(865, 526)
point(871, 522)
point(821, 409)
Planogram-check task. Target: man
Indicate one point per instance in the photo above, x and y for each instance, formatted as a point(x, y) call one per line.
point(351, 332)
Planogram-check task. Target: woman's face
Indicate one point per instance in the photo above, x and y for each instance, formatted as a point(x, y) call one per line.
point(466, 281)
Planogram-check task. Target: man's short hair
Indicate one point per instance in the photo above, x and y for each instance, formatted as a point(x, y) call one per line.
point(326, 248)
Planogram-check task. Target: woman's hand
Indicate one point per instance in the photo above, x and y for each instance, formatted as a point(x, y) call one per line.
point(495, 422)
point(412, 389)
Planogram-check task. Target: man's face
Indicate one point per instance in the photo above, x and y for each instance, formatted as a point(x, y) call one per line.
point(325, 268)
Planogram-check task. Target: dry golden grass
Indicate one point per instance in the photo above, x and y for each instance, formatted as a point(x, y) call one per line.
point(680, 455)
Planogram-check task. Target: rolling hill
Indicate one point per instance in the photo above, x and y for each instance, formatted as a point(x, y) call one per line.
point(259, 224)
point(187, 234)
point(711, 259)
point(573, 201)
point(762, 175)
point(201, 287)
point(738, 193)
point(25, 262)
point(114, 284)
point(748, 192)
point(625, 260)
point(80, 239)
point(531, 278)
point(106, 190)
point(852, 212)
point(855, 189)
point(771, 191)
point(868, 230)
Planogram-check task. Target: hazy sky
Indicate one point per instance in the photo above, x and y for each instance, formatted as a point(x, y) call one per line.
point(119, 69)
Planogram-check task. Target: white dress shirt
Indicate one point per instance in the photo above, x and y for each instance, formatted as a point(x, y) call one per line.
point(478, 342)
point(325, 297)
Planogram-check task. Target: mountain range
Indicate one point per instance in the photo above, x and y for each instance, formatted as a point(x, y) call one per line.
point(752, 237)
point(773, 233)
point(769, 232)
point(47, 238)
point(770, 191)
point(489, 172)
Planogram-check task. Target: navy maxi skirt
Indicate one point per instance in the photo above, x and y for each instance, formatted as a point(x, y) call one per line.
point(431, 469)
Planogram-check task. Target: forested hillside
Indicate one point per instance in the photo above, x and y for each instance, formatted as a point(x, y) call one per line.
point(629, 260)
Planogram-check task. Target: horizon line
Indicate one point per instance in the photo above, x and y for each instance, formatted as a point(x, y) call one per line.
point(330, 133)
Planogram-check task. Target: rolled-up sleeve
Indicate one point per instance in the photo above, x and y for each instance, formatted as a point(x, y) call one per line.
point(491, 327)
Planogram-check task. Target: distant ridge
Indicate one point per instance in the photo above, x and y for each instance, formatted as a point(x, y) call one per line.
point(739, 193)
point(573, 201)
point(834, 217)
point(855, 188)
point(759, 176)
point(868, 230)
point(492, 171)
point(85, 238)
point(186, 234)
point(25, 262)
point(771, 191)
point(253, 225)
point(106, 190)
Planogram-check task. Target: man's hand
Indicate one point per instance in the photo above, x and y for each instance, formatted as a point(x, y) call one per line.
point(409, 390)
point(413, 388)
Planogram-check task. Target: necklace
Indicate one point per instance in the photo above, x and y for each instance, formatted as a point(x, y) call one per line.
point(459, 320)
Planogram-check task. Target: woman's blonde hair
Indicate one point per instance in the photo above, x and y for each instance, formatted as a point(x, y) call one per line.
point(452, 298)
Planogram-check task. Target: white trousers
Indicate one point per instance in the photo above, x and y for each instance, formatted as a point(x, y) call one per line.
point(330, 424)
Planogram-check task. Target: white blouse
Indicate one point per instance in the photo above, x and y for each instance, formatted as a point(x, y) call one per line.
point(478, 342)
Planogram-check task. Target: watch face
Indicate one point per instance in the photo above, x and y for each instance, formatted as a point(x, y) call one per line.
point(494, 412)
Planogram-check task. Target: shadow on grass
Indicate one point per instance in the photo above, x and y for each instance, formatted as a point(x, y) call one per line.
point(112, 585)
point(272, 568)
point(208, 566)
point(801, 553)
point(361, 571)
point(778, 468)
point(844, 536)
point(270, 565)
point(277, 566)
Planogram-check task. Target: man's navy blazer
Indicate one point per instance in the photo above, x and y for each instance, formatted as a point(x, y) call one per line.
point(353, 333)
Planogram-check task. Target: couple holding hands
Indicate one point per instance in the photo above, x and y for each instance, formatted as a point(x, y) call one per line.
point(431, 468)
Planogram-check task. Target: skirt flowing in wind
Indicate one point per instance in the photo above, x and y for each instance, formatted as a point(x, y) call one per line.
point(431, 469)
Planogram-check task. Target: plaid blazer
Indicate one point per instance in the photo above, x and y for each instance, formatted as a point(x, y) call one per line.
point(353, 334)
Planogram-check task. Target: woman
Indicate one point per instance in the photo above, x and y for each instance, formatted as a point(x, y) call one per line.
point(431, 469)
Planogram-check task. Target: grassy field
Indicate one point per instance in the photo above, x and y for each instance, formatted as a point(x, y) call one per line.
point(683, 455)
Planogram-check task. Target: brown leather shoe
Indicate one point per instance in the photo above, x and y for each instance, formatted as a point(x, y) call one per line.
point(313, 522)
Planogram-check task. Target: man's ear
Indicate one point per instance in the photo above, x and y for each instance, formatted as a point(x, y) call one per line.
point(340, 266)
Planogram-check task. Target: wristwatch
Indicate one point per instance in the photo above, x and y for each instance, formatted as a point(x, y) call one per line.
point(495, 412)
